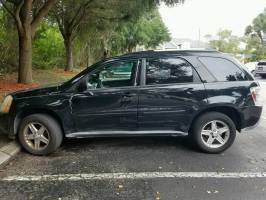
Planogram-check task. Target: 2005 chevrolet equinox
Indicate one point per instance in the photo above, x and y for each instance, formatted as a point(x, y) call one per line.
point(205, 95)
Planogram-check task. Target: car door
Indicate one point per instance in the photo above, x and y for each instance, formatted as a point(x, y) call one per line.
point(110, 103)
point(171, 92)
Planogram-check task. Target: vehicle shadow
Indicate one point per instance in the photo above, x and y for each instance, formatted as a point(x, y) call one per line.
point(181, 143)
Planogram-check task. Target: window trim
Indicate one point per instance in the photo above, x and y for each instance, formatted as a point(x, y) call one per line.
point(144, 69)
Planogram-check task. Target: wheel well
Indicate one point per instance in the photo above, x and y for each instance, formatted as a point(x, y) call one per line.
point(232, 113)
point(26, 113)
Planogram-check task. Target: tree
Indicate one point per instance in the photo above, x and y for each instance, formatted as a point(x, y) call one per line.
point(73, 15)
point(69, 15)
point(258, 27)
point(8, 48)
point(226, 42)
point(148, 30)
point(48, 47)
point(27, 14)
point(256, 37)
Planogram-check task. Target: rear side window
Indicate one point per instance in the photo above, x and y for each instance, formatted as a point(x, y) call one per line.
point(262, 63)
point(168, 71)
point(223, 69)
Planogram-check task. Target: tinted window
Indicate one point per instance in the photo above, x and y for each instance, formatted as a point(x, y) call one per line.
point(167, 71)
point(120, 74)
point(262, 63)
point(223, 70)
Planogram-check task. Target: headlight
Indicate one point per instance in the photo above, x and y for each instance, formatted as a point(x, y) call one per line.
point(6, 105)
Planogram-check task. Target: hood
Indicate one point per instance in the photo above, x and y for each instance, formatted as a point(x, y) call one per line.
point(36, 92)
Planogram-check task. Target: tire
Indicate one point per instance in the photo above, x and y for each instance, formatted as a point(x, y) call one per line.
point(253, 72)
point(203, 134)
point(41, 128)
point(263, 75)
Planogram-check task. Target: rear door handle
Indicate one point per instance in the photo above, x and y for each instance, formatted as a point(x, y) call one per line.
point(128, 95)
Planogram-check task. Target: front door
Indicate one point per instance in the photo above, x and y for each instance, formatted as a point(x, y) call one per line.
point(170, 95)
point(111, 101)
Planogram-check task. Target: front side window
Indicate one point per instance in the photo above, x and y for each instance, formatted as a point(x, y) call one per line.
point(168, 71)
point(120, 74)
point(223, 69)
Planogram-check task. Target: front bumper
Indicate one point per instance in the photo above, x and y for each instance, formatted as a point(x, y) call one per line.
point(251, 117)
point(5, 125)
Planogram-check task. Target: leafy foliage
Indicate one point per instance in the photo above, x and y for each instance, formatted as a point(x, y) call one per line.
point(226, 42)
point(48, 47)
point(96, 28)
point(8, 48)
point(258, 27)
point(148, 31)
point(256, 37)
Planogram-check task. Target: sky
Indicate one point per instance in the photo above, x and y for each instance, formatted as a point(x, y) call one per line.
point(196, 18)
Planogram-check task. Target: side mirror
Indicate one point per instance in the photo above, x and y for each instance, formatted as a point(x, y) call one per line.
point(82, 86)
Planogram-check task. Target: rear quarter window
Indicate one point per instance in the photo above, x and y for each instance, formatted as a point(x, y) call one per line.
point(262, 63)
point(223, 69)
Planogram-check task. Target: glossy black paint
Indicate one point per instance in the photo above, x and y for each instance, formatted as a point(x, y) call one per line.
point(169, 107)
point(140, 109)
point(105, 109)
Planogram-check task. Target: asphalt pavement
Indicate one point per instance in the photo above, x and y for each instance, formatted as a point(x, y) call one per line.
point(141, 168)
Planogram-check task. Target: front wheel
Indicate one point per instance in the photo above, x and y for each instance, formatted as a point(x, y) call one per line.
point(253, 72)
point(40, 134)
point(213, 132)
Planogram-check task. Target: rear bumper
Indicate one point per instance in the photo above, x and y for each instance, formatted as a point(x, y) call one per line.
point(260, 72)
point(251, 117)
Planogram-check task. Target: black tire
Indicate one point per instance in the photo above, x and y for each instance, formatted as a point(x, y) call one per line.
point(205, 119)
point(263, 75)
point(51, 125)
point(253, 72)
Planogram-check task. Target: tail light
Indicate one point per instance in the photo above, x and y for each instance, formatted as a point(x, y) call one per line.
point(255, 94)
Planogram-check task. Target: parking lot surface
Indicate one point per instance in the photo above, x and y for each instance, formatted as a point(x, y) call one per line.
point(141, 168)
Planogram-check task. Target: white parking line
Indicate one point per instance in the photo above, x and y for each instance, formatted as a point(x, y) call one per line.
point(137, 175)
point(263, 117)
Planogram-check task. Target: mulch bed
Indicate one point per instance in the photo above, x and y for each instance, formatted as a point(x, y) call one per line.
point(7, 87)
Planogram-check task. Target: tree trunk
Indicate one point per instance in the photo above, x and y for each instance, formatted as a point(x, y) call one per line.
point(105, 48)
point(69, 54)
point(130, 49)
point(25, 59)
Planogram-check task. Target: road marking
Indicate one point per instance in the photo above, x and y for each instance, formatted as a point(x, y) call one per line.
point(263, 117)
point(137, 175)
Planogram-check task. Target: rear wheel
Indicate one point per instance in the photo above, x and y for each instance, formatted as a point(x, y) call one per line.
point(213, 132)
point(40, 134)
point(263, 75)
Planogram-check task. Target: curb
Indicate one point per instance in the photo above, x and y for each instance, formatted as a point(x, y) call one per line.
point(8, 151)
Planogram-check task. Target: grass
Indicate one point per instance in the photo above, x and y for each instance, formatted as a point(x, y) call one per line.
point(8, 82)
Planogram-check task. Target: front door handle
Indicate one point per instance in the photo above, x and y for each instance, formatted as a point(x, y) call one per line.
point(189, 90)
point(128, 95)
point(90, 93)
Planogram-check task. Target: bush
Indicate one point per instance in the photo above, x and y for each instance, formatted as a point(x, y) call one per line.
point(48, 48)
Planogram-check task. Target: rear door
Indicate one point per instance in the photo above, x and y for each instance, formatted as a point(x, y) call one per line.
point(170, 95)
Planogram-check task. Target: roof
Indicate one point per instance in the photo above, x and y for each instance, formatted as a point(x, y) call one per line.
point(175, 52)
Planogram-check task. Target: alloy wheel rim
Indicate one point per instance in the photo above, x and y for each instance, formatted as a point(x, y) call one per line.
point(215, 134)
point(36, 136)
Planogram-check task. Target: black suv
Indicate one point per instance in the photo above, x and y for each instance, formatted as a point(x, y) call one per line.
point(205, 95)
